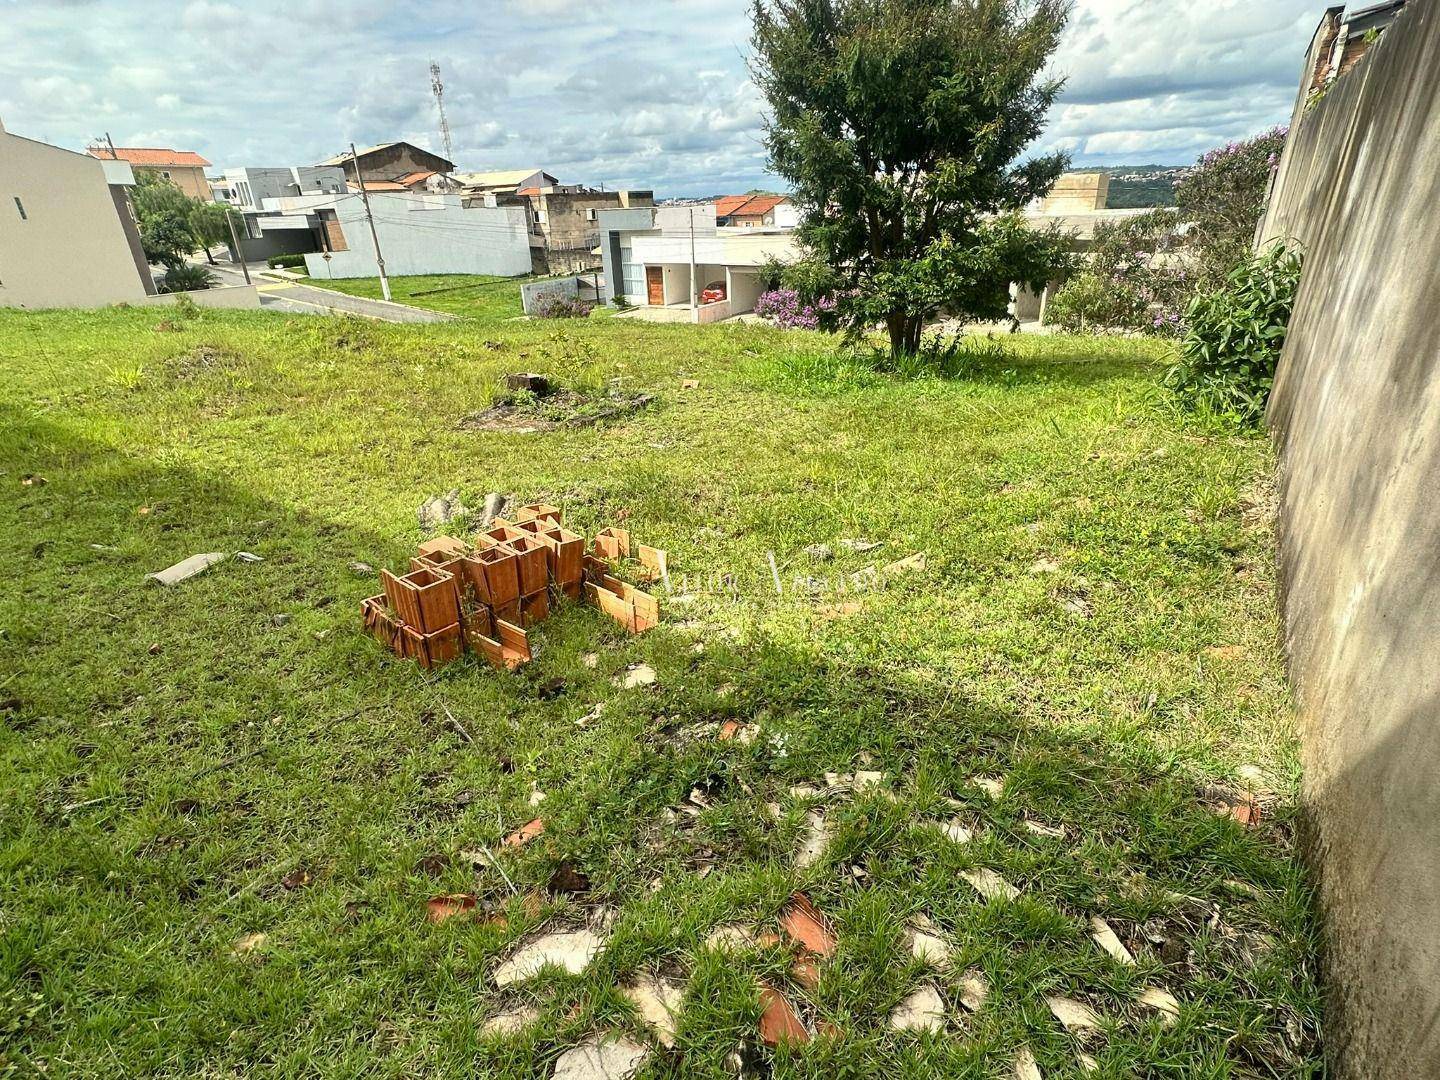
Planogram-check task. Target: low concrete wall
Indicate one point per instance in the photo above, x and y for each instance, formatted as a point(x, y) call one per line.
point(535, 291)
point(230, 296)
point(1356, 414)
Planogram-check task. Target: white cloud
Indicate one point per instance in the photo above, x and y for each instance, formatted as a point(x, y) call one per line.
point(591, 91)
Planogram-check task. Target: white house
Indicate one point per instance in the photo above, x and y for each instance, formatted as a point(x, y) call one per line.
point(420, 233)
point(676, 265)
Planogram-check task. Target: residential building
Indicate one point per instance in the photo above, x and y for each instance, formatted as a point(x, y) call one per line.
point(1076, 206)
point(67, 234)
point(183, 168)
point(388, 162)
point(663, 258)
point(1342, 39)
point(755, 211)
point(419, 234)
point(249, 188)
point(504, 183)
point(430, 181)
point(563, 223)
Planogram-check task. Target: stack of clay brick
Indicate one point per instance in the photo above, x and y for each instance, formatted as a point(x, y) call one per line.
point(488, 594)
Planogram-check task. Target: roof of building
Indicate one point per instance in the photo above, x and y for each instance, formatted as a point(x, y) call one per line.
point(731, 205)
point(341, 159)
point(151, 155)
point(528, 191)
point(380, 185)
point(415, 177)
point(499, 179)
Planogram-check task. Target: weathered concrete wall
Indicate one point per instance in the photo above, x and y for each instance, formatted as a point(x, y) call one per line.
point(1356, 412)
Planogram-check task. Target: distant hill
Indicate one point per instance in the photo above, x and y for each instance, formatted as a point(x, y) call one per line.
point(1143, 186)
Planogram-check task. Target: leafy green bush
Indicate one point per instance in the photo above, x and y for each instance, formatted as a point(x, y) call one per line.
point(1137, 278)
point(1089, 303)
point(285, 262)
point(1234, 337)
point(186, 279)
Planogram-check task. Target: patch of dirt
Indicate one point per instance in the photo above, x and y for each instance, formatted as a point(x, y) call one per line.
point(199, 361)
point(525, 414)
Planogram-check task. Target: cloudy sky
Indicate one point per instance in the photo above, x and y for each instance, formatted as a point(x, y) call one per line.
point(594, 91)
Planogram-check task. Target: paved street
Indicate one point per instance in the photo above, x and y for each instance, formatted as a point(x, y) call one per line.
point(299, 298)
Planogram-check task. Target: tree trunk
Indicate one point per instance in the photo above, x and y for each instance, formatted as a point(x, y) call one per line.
point(208, 257)
point(904, 334)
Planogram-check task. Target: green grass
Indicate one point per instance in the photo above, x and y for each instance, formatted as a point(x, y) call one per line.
point(473, 295)
point(172, 755)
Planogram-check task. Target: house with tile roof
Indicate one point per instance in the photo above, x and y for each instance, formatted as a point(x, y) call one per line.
point(505, 182)
point(183, 168)
point(753, 211)
point(387, 162)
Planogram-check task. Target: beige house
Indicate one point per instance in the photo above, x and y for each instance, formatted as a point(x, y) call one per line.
point(67, 234)
point(183, 168)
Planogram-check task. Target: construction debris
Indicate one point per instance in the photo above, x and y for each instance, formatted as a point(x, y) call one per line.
point(187, 569)
point(616, 1057)
point(1074, 1016)
point(779, 1022)
point(1105, 937)
point(571, 952)
point(974, 989)
point(923, 1010)
point(486, 595)
point(990, 885)
point(1162, 1001)
point(658, 1003)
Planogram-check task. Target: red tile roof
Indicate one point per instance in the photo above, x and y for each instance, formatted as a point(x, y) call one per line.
point(747, 205)
point(415, 177)
point(528, 191)
point(152, 155)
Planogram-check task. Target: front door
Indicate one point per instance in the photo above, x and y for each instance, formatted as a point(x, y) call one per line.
point(655, 285)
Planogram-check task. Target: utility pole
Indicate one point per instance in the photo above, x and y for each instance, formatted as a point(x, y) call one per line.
point(239, 251)
point(438, 88)
point(694, 299)
point(365, 196)
point(111, 141)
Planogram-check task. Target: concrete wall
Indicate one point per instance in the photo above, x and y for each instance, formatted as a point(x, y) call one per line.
point(1356, 415)
point(535, 291)
point(229, 296)
point(420, 234)
point(70, 248)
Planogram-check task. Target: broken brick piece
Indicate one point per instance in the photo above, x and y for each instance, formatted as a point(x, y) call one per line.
point(438, 909)
point(778, 1021)
point(800, 919)
point(654, 563)
point(508, 649)
point(383, 624)
point(527, 832)
point(806, 971)
point(534, 609)
point(442, 549)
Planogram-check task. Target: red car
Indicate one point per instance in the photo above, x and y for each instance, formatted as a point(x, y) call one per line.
point(713, 293)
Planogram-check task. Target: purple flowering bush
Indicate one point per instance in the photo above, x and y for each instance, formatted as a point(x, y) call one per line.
point(1222, 200)
point(561, 307)
point(1137, 280)
point(785, 309)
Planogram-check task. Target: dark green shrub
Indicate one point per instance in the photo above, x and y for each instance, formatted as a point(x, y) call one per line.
point(285, 262)
point(1234, 337)
point(186, 279)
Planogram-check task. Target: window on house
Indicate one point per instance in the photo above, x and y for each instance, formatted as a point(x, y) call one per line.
point(590, 215)
point(21, 207)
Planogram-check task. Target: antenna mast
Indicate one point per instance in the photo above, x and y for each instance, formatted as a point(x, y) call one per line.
point(438, 88)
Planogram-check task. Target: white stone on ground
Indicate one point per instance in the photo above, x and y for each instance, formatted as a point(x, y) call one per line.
point(730, 936)
point(510, 1021)
point(989, 884)
point(636, 675)
point(931, 948)
point(658, 1002)
point(1162, 1001)
point(612, 1058)
point(1073, 1015)
point(924, 1010)
point(956, 831)
point(974, 989)
point(571, 952)
point(1025, 1065)
point(1105, 937)
point(994, 786)
point(817, 836)
point(1041, 829)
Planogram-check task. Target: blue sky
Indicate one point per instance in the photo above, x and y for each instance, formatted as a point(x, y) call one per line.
point(594, 91)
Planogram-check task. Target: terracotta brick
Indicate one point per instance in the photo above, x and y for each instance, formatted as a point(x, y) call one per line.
point(538, 512)
point(507, 651)
point(534, 609)
point(495, 575)
point(654, 563)
point(612, 543)
point(564, 554)
point(534, 574)
point(383, 624)
point(442, 549)
point(434, 649)
point(429, 599)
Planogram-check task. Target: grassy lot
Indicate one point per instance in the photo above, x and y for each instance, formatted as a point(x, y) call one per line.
point(473, 295)
point(1094, 624)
